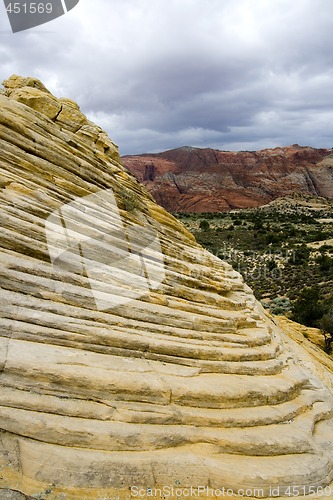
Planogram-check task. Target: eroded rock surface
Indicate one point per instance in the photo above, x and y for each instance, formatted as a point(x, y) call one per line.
point(130, 356)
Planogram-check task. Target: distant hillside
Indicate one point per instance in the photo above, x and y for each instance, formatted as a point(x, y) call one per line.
point(206, 180)
point(298, 203)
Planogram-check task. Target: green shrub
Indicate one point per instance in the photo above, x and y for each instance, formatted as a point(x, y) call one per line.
point(325, 263)
point(271, 264)
point(204, 225)
point(300, 255)
point(326, 325)
point(128, 200)
point(308, 308)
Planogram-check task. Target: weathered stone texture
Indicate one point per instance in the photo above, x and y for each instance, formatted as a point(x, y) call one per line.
point(188, 384)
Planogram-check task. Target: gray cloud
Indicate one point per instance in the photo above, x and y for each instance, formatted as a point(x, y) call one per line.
point(228, 74)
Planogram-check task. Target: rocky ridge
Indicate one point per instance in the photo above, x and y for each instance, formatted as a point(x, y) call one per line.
point(207, 180)
point(107, 385)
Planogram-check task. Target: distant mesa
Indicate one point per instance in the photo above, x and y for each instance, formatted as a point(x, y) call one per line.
point(191, 179)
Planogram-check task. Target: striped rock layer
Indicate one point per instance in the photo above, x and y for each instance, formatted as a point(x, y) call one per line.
point(130, 356)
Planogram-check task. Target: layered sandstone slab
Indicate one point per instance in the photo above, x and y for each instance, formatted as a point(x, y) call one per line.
point(130, 356)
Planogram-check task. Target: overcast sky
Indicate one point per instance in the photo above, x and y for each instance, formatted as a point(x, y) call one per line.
point(158, 74)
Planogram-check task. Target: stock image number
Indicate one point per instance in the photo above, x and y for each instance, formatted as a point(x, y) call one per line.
point(29, 8)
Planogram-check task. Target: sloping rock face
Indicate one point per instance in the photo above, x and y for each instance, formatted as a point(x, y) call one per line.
point(207, 180)
point(131, 358)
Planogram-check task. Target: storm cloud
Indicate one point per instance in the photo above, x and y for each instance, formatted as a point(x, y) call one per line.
point(156, 74)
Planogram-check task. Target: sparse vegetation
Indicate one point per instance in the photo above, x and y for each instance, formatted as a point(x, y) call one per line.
point(128, 200)
point(204, 225)
point(308, 308)
point(285, 254)
point(326, 324)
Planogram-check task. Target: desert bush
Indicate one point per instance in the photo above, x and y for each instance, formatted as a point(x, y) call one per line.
point(129, 201)
point(300, 255)
point(325, 263)
point(280, 305)
point(271, 264)
point(273, 237)
point(204, 225)
point(326, 325)
point(308, 309)
point(326, 248)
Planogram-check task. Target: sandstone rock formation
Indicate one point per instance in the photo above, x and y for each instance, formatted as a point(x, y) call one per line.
point(207, 180)
point(129, 356)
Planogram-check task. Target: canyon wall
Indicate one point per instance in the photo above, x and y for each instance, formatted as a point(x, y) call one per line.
point(207, 180)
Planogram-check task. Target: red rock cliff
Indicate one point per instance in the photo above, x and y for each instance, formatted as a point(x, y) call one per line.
point(207, 180)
